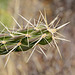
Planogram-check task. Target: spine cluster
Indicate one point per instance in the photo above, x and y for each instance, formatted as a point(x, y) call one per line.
point(40, 33)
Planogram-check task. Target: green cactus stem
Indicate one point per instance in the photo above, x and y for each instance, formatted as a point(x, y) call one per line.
point(25, 39)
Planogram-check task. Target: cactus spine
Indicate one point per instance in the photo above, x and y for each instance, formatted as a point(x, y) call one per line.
point(25, 39)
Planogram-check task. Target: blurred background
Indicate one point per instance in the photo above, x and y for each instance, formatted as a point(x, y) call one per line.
point(38, 64)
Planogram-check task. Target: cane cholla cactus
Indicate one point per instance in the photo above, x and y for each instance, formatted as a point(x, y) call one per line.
point(40, 33)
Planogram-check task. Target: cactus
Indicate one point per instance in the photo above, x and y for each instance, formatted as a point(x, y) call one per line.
point(24, 39)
